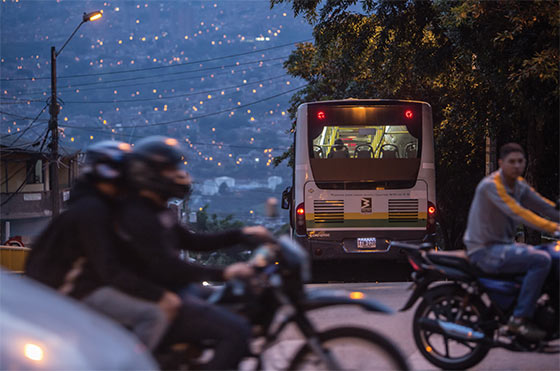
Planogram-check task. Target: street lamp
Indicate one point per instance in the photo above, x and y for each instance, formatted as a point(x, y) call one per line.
point(54, 109)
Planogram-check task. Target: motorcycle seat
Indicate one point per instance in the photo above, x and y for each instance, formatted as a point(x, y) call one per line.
point(460, 260)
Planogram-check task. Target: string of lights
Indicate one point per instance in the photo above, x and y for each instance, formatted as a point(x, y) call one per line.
point(159, 67)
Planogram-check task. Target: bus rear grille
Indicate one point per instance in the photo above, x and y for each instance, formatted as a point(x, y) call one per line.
point(328, 211)
point(403, 210)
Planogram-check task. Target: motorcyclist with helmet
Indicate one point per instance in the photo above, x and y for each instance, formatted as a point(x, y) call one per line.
point(77, 254)
point(153, 238)
point(503, 200)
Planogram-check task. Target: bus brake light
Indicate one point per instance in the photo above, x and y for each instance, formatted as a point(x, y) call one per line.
point(431, 210)
point(408, 114)
point(301, 228)
point(321, 115)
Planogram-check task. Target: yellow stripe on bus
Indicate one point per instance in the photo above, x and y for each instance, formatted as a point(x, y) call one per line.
point(525, 214)
point(360, 216)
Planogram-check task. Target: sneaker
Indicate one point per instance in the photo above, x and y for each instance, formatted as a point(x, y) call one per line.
point(529, 331)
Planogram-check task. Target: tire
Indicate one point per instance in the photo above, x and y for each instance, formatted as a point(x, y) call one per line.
point(439, 350)
point(354, 349)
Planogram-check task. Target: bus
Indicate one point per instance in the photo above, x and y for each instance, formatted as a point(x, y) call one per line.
point(364, 175)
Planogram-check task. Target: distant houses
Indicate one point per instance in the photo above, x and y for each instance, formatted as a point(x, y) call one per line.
point(211, 187)
point(25, 190)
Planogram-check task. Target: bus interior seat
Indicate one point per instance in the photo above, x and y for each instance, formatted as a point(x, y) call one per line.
point(318, 152)
point(410, 150)
point(389, 151)
point(363, 151)
point(340, 153)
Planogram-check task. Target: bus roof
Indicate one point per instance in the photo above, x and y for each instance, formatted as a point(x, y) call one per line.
point(359, 101)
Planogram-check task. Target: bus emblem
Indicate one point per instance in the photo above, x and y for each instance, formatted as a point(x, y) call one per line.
point(366, 205)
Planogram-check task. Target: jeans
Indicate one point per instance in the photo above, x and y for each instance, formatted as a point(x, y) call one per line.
point(145, 318)
point(199, 320)
point(517, 258)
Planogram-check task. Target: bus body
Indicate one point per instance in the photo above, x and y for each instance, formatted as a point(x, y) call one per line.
point(364, 175)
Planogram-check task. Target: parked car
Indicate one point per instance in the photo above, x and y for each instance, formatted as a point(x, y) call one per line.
point(42, 330)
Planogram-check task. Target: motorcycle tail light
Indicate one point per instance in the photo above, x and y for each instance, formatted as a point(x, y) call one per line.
point(415, 266)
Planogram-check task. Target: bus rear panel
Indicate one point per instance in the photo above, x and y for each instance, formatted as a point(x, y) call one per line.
point(364, 175)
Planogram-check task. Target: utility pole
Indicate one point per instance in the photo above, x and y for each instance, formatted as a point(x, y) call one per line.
point(53, 121)
point(53, 127)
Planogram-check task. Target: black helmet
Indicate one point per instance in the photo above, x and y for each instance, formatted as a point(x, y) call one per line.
point(104, 161)
point(149, 157)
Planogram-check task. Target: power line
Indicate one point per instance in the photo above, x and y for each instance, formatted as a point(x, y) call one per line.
point(201, 116)
point(19, 116)
point(160, 67)
point(41, 92)
point(179, 95)
point(30, 125)
point(174, 73)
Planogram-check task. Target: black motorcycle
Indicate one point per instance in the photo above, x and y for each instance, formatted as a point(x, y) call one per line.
point(276, 298)
point(464, 311)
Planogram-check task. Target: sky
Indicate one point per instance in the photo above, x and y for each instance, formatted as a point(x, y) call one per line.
point(208, 73)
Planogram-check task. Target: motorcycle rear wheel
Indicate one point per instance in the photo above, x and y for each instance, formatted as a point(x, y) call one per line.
point(445, 303)
point(352, 348)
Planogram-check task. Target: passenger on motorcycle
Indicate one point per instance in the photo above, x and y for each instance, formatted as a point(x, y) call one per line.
point(153, 238)
point(502, 200)
point(77, 253)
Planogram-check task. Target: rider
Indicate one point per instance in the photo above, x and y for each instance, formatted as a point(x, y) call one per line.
point(502, 200)
point(153, 237)
point(77, 252)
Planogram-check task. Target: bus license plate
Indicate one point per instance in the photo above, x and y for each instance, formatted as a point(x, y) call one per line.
point(367, 243)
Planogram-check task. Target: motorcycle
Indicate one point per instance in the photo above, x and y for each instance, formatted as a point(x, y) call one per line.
point(276, 298)
point(463, 311)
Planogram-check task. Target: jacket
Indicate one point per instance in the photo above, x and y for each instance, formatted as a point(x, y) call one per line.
point(78, 251)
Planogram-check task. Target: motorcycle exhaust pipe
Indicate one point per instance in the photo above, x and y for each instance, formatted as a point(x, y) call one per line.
point(452, 330)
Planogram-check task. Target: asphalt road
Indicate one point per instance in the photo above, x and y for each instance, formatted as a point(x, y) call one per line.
point(398, 328)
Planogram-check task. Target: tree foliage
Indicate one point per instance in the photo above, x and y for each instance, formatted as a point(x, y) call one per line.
point(488, 68)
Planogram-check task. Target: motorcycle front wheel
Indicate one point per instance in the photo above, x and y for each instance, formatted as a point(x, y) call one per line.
point(350, 348)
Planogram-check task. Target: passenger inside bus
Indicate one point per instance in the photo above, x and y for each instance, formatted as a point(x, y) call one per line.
point(339, 150)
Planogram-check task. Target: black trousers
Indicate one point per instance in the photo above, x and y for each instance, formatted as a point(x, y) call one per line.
point(199, 320)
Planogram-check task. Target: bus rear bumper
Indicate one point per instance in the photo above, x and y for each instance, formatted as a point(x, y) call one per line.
point(348, 249)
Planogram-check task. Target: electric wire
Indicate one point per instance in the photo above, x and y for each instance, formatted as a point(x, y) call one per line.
point(161, 67)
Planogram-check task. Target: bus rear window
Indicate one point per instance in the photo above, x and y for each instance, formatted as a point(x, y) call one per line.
point(378, 143)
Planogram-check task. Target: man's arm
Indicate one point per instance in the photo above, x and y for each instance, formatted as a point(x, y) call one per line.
point(145, 235)
point(253, 235)
point(496, 194)
point(534, 201)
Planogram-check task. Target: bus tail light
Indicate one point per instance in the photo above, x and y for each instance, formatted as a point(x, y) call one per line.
point(431, 222)
point(300, 220)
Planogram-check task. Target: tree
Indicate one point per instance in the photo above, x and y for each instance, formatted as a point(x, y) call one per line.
point(487, 68)
point(206, 223)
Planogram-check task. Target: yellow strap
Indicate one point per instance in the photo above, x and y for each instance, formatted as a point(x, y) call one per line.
point(525, 214)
